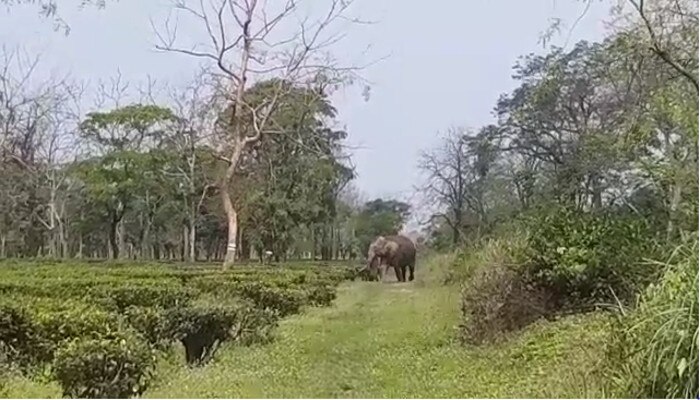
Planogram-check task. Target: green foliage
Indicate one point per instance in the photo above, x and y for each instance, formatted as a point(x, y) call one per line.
point(154, 295)
point(70, 321)
point(380, 217)
point(151, 323)
point(115, 367)
point(292, 177)
point(18, 335)
point(654, 351)
point(320, 294)
point(280, 300)
point(582, 257)
point(74, 316)
point(127, 127)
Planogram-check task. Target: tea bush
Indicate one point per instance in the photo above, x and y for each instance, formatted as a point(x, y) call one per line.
point(266, 296)
point(151, 323)
point(320, 294)
point(100, 325)
point(156, 295)
point(115, 367)
point(72, 320)
point(18, 336)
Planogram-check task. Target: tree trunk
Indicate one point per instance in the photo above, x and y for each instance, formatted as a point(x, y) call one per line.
point(113, 241)
point(245, 247)
point(122, 239)
point(80, 246)
point(185, 243)
point(232, 219)
point(313, 243)
point(63, 241)
point(145, 239)
point(193, 242)
point(231, 213)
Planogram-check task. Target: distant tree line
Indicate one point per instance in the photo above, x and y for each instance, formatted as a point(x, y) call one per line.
point(140, 180)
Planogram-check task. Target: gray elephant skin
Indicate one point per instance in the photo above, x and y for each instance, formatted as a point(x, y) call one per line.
point(396, 252)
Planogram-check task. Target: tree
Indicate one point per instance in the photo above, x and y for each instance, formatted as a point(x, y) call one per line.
point(670, 32)
point(380, 217)
point(194, 168)
point(127, 138)
point(247, 46)
point(292, 179)
point(38, 119)
point(456, 177)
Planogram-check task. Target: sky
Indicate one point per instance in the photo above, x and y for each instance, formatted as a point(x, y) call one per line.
point(442, 65)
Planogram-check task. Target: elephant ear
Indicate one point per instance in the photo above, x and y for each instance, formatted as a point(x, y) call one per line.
point(378, 243)
point(391, 247)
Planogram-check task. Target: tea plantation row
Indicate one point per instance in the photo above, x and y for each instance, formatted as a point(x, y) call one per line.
point(98, 329)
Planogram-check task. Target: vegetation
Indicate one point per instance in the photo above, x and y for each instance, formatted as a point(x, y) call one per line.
point(656, 348)
point(98, 329)
point(362, 348)
point(562, 237)
point(568, 202)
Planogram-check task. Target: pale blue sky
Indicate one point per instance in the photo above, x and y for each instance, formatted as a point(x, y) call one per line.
point(449, 61)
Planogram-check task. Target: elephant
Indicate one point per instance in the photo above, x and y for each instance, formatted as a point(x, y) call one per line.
point(397, 252)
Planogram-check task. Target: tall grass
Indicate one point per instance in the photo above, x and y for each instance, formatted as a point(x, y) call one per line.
point(655, 351)
point(505, 251)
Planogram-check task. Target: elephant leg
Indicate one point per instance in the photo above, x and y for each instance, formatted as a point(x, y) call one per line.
point(403, 273)
point(411, 267)
point(399, 274)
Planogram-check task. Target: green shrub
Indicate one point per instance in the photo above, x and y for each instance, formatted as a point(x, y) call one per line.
point(655, 347)
point(265, 296)
point(583, 258)
point(122, 297)
point(116, 367)
point(72, 320)
point(151, 323)
point(320, 294)
point(18, 336)
point(255, 326)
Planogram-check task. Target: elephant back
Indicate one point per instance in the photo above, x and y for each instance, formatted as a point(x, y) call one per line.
point(406, 253)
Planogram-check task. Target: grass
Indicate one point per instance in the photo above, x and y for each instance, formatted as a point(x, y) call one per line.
point(656, 348)
point(396, 340)
point(387, 340)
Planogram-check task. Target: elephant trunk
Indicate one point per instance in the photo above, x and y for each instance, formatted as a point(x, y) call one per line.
point(371, 260)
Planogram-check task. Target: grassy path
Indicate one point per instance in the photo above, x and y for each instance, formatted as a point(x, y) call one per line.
point(394, 340)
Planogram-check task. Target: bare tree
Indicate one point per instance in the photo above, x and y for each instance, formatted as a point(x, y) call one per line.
point(194, 106)
point(250, 41)
point(38, 122)
point(447, 170)
point(672, 30)
point(456, 177)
